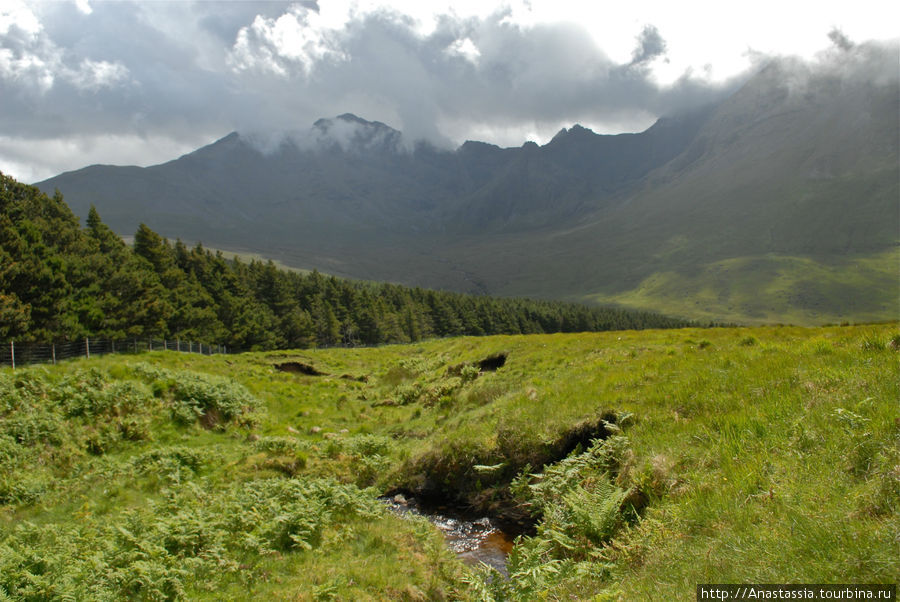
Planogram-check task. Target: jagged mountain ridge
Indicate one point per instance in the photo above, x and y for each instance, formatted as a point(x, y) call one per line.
point(349, 172)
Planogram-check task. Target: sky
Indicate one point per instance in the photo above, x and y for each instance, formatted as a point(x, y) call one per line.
point(140, 83)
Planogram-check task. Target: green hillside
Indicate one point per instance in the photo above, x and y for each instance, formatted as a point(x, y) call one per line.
point(724, 455)
point(773, 288)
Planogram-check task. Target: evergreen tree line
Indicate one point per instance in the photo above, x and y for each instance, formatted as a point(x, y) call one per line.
point(59, 281)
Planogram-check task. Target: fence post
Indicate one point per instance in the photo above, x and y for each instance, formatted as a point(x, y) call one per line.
point(150, 344)
point(177, 344)
point(113, 343)
point(165, 345)
point(53, 350)
point(201, 348)
point(135, 344)
point(12, 353)
point(87, 347)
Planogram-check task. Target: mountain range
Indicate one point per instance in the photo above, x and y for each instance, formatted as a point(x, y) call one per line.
point(779, 203)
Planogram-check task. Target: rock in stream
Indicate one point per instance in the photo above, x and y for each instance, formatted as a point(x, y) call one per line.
point(474, 540)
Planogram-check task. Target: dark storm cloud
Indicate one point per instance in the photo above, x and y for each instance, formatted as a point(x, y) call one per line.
point(161, 85)
point(194, 71)
point(840, 40)
point(650, 45)
point(230, 17)
point(466, 71)
point(177, 60)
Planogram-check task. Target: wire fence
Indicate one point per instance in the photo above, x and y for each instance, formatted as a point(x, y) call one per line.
point(20, 354)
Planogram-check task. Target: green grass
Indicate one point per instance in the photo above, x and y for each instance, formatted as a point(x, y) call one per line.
point(773, 289)
point(738, 455)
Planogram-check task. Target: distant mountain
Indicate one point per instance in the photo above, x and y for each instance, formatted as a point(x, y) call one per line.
point(781, 203)
point(347, 172)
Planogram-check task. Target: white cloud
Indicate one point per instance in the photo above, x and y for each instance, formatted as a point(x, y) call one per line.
point(31, 160)
point(84, 6)
point(93, 75)
point(25, 57)
point(34, 63)
point(464, 48)
point(28, 69)
point(16, 14)
point(300, 36)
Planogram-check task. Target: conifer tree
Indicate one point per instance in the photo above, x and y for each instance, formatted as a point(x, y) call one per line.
point(60, 281)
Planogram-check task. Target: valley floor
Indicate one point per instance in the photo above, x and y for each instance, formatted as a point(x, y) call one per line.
point(646, 462)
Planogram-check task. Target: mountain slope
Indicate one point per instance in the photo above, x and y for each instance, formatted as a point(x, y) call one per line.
point(794, 174)
point(784, 207)
point(812, 177)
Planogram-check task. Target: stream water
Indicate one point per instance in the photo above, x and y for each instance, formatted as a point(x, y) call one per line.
point(474, 540)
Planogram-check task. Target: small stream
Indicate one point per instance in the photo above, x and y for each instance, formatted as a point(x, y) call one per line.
point(474, 540)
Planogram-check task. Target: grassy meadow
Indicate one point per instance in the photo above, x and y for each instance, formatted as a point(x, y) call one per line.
point(646, 462)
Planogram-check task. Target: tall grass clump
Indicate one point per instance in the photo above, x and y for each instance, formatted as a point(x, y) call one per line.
point(872, 341)
point(213, 400)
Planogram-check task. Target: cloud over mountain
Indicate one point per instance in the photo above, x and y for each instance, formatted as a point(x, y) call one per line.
point(186, 72)
point(130, 81)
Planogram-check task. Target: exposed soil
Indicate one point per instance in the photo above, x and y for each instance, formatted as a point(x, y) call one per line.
point(447, 482)
point(581, 435)
point(362, 379)
point(211, 419)
point(299, 368)
point(491, 363)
